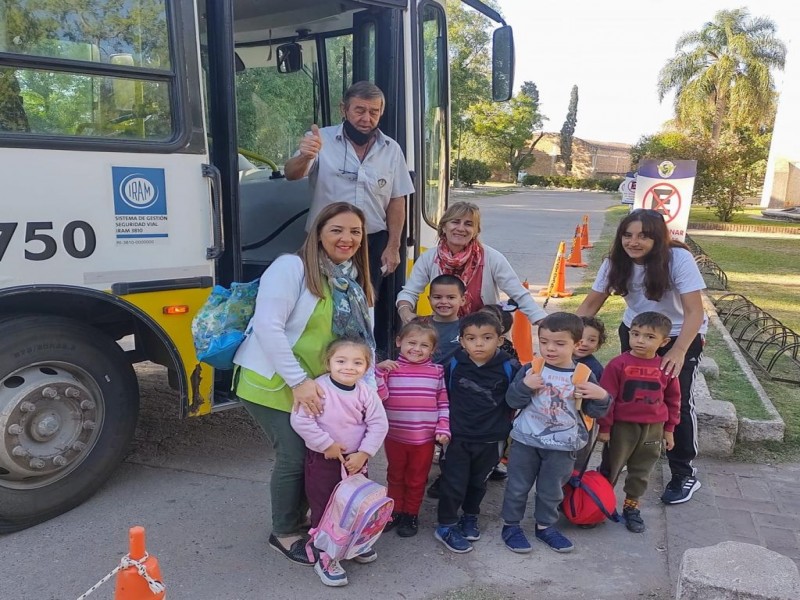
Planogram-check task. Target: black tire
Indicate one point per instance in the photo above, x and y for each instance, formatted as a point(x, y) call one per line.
point(36, 340)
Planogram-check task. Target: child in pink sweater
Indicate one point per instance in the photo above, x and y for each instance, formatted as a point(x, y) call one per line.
point(346, 435)
point(415, 399)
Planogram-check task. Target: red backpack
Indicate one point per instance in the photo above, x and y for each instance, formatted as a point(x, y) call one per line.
point(589, 497)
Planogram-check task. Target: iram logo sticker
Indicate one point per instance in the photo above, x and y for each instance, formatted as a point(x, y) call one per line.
point(138, 192)
point(140, 205)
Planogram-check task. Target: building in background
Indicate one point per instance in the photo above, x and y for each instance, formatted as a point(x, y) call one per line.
point(589, 158)
point(782, 180)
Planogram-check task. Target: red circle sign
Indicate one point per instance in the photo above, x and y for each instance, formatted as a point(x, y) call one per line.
point(664, 198)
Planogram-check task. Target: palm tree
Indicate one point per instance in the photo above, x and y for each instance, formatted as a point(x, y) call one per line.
point(722, 75)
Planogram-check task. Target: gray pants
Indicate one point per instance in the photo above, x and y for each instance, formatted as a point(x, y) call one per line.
point(548, 469)
point(287, 483)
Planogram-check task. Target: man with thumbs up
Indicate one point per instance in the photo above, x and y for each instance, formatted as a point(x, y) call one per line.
point(355, 162)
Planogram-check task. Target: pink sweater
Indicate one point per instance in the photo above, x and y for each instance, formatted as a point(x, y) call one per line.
point(416, 403)
point(355, 419)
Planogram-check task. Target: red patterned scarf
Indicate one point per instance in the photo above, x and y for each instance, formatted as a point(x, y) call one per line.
point(467, 265)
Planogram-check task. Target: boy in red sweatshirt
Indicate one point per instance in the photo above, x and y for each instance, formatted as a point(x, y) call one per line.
point(645, 410)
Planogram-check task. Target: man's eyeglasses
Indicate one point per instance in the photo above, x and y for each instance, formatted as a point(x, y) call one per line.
point(343, 172)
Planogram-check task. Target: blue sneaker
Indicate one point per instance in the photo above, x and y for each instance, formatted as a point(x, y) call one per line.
point(515, 539)
point(452, 539)
point(555, 539)
point(468, 524)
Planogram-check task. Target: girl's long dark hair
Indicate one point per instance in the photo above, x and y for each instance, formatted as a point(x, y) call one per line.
point(656, 262)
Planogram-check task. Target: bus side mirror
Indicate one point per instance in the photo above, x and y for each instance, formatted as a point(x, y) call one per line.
point(502, 63)
point(290, 58)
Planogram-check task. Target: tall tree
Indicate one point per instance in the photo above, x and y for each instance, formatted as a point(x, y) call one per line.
point(470, 61)
point(507, 127)
point(568, 130)
point(721, 75)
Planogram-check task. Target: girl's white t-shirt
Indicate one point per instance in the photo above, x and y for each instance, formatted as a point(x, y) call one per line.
point(684, 277)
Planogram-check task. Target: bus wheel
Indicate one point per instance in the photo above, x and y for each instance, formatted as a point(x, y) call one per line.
point(69, 400)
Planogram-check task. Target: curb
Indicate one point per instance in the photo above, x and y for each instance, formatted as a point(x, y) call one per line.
point(750, 430)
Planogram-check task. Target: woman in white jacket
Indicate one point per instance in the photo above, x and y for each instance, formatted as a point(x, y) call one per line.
point(304, 302)
point(484, 271)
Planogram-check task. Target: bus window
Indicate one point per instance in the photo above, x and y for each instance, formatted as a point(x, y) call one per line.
point(433, 182)
point(276, 109)
point(59, 97)
point(367, 49)
point(339, 58)
point(92, 30)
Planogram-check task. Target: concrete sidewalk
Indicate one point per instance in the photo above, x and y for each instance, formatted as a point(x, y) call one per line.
point(741, 502)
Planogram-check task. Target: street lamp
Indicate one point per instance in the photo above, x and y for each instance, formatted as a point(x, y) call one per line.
point(461, 123)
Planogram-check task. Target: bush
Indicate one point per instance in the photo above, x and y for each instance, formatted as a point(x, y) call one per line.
point(607, 184)
point(471, 171)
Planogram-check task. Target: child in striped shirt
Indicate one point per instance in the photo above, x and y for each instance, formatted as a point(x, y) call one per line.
point(415, 399)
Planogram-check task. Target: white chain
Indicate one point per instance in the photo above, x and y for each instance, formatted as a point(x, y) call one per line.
point(155, 586)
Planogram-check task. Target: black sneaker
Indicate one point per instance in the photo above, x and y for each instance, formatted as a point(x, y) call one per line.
point(680, 489)
point(397, 519)
point(295, 553)
point(499, 473)
point(633, 520)
point(433, 490)
point(409, 526)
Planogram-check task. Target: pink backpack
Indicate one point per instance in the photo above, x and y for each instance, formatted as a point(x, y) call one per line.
point(353, 520)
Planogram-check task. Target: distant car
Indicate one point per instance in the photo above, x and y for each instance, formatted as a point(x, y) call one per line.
point(628, 188)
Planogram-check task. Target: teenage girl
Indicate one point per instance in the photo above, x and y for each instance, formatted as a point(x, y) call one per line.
point(654, 273)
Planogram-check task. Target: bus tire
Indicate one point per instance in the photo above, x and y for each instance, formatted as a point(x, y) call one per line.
point(69, 401)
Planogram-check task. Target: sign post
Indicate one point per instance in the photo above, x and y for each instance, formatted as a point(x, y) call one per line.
point(666, 186)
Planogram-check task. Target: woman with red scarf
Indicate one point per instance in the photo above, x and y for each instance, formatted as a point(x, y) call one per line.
point(484, 271)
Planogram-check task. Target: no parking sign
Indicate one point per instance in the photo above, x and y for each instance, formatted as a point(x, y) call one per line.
point(666, 186)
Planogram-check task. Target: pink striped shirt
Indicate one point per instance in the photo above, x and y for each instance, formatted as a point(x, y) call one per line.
point(415, 399)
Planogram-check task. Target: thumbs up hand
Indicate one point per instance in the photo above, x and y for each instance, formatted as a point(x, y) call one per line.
point(311, 143)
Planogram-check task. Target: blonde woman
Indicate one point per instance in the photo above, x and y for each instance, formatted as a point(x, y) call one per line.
point(484, 271)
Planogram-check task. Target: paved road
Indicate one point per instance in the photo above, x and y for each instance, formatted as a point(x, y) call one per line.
point(200, 489)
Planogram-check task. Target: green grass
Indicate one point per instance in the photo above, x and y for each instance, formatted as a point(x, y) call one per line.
point(749, 216)
point(765, 270)
point(733, 385)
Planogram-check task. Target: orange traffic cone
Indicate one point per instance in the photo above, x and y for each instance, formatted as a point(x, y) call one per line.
point(140, 578)
point(557, 287)
point(575, 259)
point(585, 243)
point(521, 334)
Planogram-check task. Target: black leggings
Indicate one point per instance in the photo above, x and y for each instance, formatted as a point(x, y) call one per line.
point(685, 450)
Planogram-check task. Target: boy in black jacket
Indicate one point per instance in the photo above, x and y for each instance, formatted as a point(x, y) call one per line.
point(477, 379)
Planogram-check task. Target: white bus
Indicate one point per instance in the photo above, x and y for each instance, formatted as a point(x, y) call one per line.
point(141, 146)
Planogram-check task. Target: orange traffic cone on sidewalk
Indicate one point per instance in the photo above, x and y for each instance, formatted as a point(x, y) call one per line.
point(585, 243)
point(140, 577)
point(557, 288)
point(575, 259)
point(521, 334)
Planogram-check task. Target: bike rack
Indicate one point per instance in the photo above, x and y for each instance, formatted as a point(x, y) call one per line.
point(713, 275)
point(770, 345)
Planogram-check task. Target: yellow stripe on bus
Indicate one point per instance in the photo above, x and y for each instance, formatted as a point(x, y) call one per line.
point(199, 376)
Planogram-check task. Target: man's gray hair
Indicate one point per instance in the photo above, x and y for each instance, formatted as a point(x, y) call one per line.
point(366, 90)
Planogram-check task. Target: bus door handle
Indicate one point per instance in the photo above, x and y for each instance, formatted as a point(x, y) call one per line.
point(215, 251)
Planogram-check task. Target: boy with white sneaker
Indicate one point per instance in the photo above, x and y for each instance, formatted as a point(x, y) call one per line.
point(547, 433)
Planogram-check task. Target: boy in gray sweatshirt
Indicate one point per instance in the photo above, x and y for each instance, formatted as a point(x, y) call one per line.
point(547, 433)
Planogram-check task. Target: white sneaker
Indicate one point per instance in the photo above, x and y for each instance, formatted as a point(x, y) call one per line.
point(333, 575)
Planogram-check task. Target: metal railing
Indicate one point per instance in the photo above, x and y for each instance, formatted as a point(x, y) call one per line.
point(772, 347)
point(713, 275)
